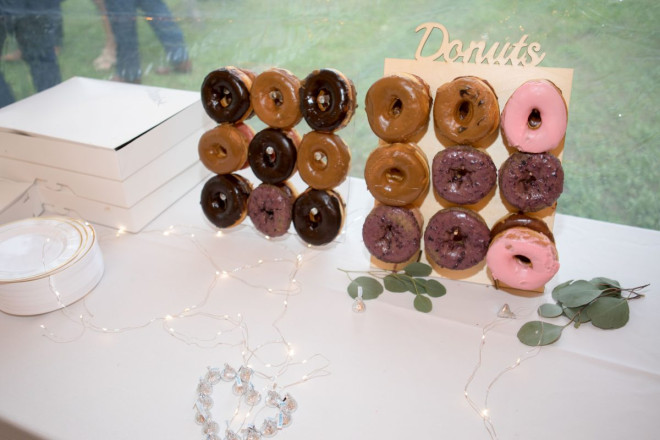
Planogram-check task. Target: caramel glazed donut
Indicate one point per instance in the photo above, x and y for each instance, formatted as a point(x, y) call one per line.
point(323, 160)
point(318, 216)
point(275, 99)
point(398, 108)
point(327, 100)
point(397, 174)
point(224, 199)
point(465, 111)
point(522, 252)
point(224, 148)
point(226, 94)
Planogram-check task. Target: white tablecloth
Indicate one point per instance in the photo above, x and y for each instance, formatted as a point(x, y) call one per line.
point(393, 372)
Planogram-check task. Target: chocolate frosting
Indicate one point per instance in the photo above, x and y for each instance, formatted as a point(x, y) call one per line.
point(272, 155)
point(226, 95)
point(224, 199)
point(463, 174)
point(466, 110)
point(398, 107)
point(456, 238)
point(531, 181)
point(318, 216)
point(275, 98)
point(521, 220)
point(327, 100)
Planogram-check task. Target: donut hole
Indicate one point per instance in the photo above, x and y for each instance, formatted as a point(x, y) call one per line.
point(323, 100)
point(396, 108)
point(463, 113)
point(270, 156)
point(456, 235)
point(523, 260)
point(534, 119)
point(320, 160)
point(394, 176)
point(220, 151)
point(219, 201)
point(277, 98)
point(314, 218)
point(225, 98)
point(457, 174)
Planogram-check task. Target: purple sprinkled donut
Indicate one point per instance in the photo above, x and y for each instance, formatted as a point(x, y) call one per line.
point(392, 233)
point(531, 182)
point(463, 174)
point(456, 238)
point(269, 208)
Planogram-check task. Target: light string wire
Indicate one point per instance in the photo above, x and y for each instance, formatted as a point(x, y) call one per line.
point(484, 411)
point(249, 353)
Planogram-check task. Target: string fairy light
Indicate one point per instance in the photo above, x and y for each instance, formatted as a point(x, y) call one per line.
point(278, 365)
point(505, 314)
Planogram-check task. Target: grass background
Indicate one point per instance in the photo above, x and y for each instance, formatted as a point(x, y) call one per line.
point(611, 158)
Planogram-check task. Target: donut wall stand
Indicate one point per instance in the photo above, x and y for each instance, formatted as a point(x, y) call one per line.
point(325, 99)
point(504, 80)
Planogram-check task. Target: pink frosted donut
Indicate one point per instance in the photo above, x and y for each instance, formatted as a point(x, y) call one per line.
point(522, 258)
point(534, 118)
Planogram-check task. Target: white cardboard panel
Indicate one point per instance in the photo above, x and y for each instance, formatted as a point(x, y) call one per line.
point(18, 200)
point(132, 219)
point(96, 127)
point(122, 194)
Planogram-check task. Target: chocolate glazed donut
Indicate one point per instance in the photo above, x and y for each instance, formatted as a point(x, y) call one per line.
point(531, 181)
point(524, 221)
point(224, 199)
point(327, 100)
point(272, 155)
point(463, 174)
point(226, 94)
point(318, 216)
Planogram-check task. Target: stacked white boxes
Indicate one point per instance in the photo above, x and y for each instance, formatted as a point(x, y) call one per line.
point(112, 153)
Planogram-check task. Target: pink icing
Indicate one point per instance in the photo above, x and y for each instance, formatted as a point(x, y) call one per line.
point(547, 100)
point(505, 266)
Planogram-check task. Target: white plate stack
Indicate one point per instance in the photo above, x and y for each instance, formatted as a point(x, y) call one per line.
point(47, 263)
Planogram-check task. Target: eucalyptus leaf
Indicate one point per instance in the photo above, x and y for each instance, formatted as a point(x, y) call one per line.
point(577, 294)
point(370, 288)
point(423, 303)
point(550, 310)
point(577, 314)
point(609, 313)
point(417, 285)
point(605, 283)
point(435, 289)
point(558, 289)
point(535, 333)
point(418, 270)
point(395, 284)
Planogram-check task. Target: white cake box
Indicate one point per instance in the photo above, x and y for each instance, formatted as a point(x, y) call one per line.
point(106, 143)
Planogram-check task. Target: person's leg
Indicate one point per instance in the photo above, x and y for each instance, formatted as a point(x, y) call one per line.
point(108, 57)
point(6, 95)
point(122, 17)
point(168, 32)
point(37, 47)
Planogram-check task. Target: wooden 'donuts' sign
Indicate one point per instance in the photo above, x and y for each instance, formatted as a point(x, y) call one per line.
point(505, 67)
